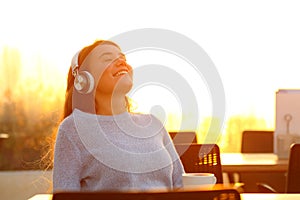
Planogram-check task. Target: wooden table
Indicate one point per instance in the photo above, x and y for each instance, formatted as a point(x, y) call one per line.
point(244, 196)
point(268, 196)
point(252, 168)
point(253, 162)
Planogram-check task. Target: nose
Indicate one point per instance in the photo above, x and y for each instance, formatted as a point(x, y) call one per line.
point(120, 62)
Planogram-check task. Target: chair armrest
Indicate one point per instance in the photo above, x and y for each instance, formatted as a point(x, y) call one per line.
point(265, 188)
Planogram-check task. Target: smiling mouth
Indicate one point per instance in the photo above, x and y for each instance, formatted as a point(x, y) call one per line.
point(120, 73)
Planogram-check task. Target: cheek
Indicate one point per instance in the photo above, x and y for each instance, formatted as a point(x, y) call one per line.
point(104, 79)
point(100, 74)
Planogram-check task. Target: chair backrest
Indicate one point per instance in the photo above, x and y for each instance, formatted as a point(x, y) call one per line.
point(222, 194)
point(198, 158)
point(256, 141)
point(182, 137)
point(293, 175)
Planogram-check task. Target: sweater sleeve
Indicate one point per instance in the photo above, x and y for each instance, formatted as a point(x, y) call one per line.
point(178, 169)
point(67, 164)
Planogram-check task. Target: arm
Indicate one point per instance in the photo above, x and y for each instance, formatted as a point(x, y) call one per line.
point(177, 165)
point(67, 164)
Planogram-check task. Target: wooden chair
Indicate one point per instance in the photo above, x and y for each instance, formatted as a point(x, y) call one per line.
point(183, 137)
point(293, 175)
point(257, 141)
point(221, 194)
point(201, 158)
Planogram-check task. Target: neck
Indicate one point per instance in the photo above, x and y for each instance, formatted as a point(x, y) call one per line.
point(108, 105)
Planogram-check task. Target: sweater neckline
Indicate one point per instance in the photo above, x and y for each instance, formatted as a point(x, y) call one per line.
point(123, 115)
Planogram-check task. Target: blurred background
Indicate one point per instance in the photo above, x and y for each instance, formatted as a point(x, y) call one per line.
point(255, 46)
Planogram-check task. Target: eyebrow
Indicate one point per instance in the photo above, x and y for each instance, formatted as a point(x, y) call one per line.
point(109, 53)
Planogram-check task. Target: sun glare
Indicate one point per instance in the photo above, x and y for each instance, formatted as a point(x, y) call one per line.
point(255, 55)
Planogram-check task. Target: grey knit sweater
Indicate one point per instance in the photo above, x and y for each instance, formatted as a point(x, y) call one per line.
point(120, 152)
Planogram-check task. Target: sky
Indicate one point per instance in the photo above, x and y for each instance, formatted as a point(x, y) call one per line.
point(254, 45)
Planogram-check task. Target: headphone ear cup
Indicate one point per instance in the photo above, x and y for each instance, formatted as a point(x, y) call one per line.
point(84, 82)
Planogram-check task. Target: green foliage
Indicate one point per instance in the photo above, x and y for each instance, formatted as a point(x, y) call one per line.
point(29, 133)
point(29, 113)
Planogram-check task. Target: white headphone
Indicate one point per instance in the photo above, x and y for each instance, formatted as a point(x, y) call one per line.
point(84, 81)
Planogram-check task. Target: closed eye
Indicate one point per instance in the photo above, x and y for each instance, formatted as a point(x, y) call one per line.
point(108, 57)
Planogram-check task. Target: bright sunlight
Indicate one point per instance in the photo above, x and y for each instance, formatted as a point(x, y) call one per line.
point(255, 47)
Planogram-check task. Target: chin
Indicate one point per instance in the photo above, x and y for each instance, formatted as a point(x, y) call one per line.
point(124, 84)
point(127, 88)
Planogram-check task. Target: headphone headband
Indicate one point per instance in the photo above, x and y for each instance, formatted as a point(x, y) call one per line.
point(74, 62)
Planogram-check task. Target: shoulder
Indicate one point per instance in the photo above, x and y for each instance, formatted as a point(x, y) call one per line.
point(68, 132)
point(68, 127)
point(67, 124)
point(76, 117)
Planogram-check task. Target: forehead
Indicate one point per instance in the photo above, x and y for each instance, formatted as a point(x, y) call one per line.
point(105, 48)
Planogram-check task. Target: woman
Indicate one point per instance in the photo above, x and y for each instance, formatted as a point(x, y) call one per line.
point(100, 144)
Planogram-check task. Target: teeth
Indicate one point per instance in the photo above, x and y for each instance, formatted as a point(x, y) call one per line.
point(121, 73)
